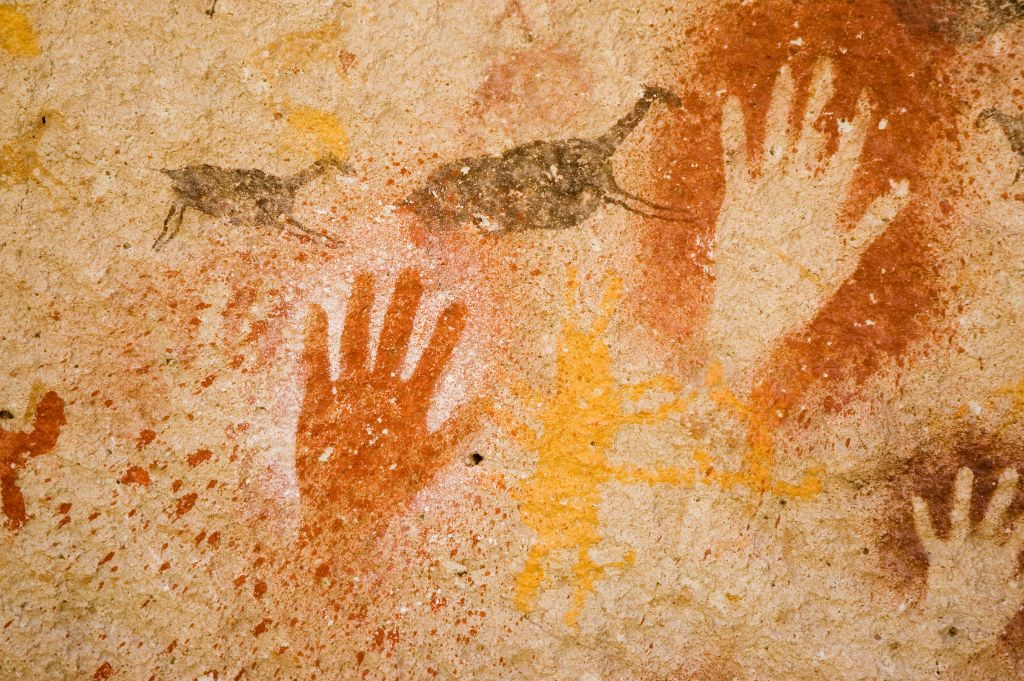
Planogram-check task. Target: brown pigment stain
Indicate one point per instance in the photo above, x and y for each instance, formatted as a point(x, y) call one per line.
point(17, 447)
point(362, 446)
point(895, 284)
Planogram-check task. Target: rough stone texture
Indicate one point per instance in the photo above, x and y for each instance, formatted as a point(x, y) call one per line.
point(512, 339)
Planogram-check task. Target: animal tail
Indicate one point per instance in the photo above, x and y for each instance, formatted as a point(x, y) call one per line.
point(988, 114)
point(625, 125)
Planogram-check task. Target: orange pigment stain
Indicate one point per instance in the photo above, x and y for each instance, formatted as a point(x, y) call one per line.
point(362, 447)
point(580, 417)
point(184, 504)
point(145, 437)
point(135, 475)
point(103, 672)
point(199, 456)
point(878, 47)
point(17, 447)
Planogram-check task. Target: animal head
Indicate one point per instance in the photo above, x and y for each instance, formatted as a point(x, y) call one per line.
point(655, 93)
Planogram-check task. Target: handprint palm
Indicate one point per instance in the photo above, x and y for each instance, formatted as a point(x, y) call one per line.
point(362, 446)
point(779, 251)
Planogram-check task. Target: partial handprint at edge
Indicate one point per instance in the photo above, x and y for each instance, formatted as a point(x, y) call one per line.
point(973, 586)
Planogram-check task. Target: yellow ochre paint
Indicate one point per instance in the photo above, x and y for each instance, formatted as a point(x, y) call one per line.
point(756, 473)
point(579, 417)
point(1016, 392)
point(16, 34)
point(326, 131)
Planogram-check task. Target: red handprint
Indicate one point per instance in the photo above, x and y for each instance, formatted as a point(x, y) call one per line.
point(16, 448)
point(362, 446)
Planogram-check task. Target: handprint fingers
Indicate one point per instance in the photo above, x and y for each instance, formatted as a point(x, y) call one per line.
point(960, 516)
point(398, 323)
point(439, 350)
point(355, 336)
point(812, 140)
point(844, 163)
point(315, 358)
point(734, 145)
point(923, 525)
point(1006, 488)
point(882, 211)
point(777, 135)
point(1016, 541)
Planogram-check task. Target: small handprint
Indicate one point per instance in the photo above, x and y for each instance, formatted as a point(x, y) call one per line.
point(780, 251)
point(972, 587)
point(362, 446)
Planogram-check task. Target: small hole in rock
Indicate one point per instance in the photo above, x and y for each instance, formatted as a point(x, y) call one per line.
point(4, 414)
point(475, 459)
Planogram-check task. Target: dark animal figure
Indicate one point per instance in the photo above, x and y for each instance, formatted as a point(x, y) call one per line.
point(1013, 128)
point(243, 196)
point(538, 185)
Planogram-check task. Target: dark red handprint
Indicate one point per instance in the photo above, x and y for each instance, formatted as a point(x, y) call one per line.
point(17, 447)
point(362, 446)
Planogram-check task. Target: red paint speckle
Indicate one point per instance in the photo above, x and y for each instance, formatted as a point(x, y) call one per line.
point(135, 475)
point(199, 456)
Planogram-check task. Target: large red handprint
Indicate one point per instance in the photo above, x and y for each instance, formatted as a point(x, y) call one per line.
point(362, 447)
point(16, 447)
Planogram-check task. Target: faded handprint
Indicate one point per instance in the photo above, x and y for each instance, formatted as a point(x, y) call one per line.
point(780, 251)
point(362, 446)
point(973, 589)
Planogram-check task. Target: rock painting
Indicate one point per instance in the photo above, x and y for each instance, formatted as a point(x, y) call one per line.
point(17, 447)
point(512, 340)
point(580, 416)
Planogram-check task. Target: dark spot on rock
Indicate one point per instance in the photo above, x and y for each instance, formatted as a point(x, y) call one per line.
point(475, 459)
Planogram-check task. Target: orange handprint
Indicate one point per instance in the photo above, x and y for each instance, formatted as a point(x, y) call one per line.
point(362, 446)
point(17, 446)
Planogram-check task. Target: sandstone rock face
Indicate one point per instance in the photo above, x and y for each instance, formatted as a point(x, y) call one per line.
point(512, 339)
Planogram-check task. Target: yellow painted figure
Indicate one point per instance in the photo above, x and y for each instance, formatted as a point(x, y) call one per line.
point(580, 417)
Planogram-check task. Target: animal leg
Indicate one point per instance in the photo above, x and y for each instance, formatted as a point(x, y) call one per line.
point(631, 209)
point(157, 244)
point(212, 8)
point(177, 224)
point(1020, 171)
point(616, 189)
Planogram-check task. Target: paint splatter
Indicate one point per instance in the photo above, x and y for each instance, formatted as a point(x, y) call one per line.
point(17, 447)
point(16, 34)
point(580, 420)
